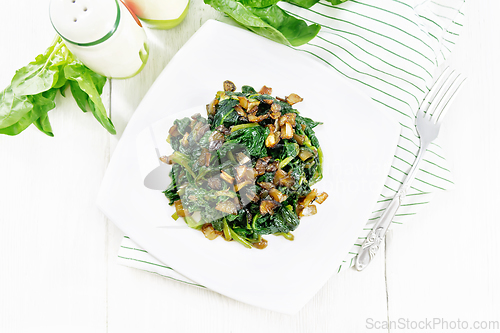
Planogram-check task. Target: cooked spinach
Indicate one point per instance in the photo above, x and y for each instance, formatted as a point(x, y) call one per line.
point(248, 169)
point(252, 138)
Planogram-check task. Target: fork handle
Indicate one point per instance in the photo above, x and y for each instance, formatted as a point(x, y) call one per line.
point(372, 243)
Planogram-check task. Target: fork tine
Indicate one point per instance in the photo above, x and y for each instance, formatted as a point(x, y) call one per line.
point(448, 98)
point(434, 90)
point(438, 97)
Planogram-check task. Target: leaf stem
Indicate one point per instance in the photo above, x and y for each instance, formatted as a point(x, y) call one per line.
point(56, 49)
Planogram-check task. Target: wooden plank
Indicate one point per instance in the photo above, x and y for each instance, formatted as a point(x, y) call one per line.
point(52, 236)
point(342, 305)
point(444, 263)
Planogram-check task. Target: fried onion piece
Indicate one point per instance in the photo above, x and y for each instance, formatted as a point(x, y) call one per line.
point(212, 107)
point(257, 119)
point(226, 177)
point(173, 131)
point(242, 158)
point(265, 185)
point(272, 139)
point(229, 86)
point(271, 167)
point(277, 195)
point(243, 102)
point(321, 197)
point(240, 111)
point(287, 131)
point(261, 165)
point(308, 198)
point(265, 90)
point(179, 209)
point(307, 211)
point(228, 207)
point(299, 138)
point(209, 231)
point(268, 207)
point(289, 117)
point(293, 98)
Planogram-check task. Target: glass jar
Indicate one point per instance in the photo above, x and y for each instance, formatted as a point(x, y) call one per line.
point(159, 14)
point(103, 34)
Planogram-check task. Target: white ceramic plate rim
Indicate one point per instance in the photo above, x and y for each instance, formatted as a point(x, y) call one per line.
point(288, 301)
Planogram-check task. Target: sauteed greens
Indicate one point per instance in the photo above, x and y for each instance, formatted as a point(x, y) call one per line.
point(247, 170)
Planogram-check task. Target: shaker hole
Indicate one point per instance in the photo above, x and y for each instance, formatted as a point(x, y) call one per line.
point(74, 20)
point(73, 1)
point(85, 9)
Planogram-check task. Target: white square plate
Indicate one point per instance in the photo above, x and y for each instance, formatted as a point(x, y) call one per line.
point(357, 139)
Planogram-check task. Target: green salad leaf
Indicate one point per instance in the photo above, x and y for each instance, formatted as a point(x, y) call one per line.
point(33, 89)
point(91, 85)
point(266, 18)
point(337, 2)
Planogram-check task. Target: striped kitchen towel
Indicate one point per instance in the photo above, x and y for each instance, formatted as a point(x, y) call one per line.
point(392, 50)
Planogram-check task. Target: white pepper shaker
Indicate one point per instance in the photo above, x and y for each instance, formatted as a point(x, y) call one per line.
point(103, 34)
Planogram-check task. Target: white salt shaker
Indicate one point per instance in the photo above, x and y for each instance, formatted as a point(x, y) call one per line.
point(103, 34)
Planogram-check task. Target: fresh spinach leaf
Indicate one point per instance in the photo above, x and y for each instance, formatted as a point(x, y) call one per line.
point(271, 21)
point(337, 2)
point(33, 89)
point(258, 3)
point(43, 124)
point(78, 72)
point(44, 102)
point(36, 77)
point(80, 96)
point(12, 107)
point(303, 3)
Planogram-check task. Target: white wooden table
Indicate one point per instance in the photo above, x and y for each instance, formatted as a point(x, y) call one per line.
point(57, 251)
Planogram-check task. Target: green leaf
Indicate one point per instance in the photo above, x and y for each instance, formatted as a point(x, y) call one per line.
point(18, 112)
point(337, 2)
point(40, 106)
point(79, 73)
point(259, 3)
point(304, 3)
point(12, 108)
point(62, 90)
point(296, 31)
point(98, 80)
point(253, 138)
point(43, 124)
point(44, 102)
point(43, 73)
point(23, 123)
point(248, 90)
point(79, 95)
point(271, 22)
point(285, 219)
point(225, 114)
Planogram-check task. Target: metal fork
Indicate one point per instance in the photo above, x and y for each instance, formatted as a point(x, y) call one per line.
point(429, 117)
